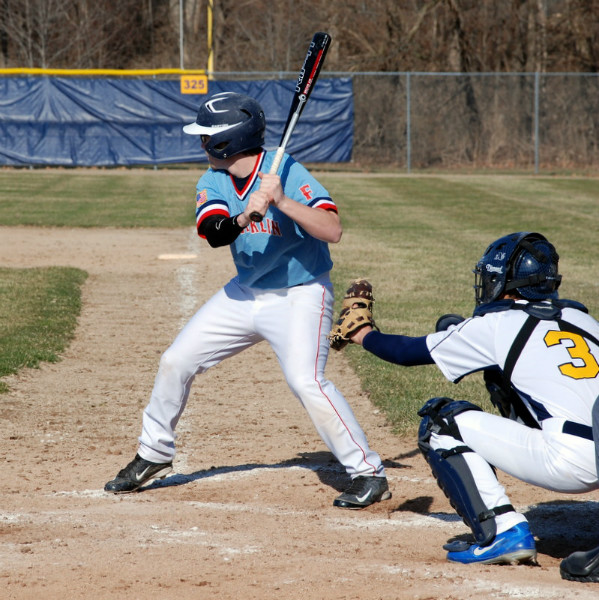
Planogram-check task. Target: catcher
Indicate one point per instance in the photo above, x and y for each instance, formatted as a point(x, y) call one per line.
point(530, 344)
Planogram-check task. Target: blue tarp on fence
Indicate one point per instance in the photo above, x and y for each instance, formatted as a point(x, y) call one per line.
point(65, 121)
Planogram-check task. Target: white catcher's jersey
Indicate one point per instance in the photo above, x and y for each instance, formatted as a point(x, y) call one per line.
point(556, 374)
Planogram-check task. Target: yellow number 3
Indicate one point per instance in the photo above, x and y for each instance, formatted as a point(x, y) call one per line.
point(578, 349)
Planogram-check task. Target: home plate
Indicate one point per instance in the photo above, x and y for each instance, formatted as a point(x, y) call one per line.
point(176, 256)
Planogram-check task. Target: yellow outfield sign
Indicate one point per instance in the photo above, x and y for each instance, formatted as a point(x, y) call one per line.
point(194, 84)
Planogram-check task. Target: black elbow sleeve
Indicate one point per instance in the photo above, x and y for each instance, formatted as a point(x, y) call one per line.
point(220, 231)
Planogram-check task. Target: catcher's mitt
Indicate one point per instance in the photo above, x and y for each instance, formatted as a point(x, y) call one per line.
point(356, 311)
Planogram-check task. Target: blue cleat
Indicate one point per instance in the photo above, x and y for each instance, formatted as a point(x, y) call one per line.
point(516, 545)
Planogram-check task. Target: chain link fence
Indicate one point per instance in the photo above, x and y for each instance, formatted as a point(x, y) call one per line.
point(524, 121)
point(535, 122)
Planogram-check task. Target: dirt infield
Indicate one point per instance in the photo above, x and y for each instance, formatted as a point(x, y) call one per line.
point(248, 513)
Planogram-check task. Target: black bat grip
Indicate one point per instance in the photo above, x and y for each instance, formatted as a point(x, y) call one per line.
point(256, 217)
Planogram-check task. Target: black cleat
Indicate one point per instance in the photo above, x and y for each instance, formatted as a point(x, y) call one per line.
point(581, 566)
point(363, 492)
point(138, 472)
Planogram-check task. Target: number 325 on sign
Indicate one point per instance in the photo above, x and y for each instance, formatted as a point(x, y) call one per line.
point(194, 84)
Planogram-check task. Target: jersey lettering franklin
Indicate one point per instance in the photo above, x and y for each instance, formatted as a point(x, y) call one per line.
point(276, 253)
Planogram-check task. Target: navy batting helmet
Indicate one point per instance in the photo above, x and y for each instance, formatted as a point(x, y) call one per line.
point(524, 261)
point(234, 123)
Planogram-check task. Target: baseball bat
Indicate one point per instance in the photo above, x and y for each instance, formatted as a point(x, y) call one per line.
point(305, 82)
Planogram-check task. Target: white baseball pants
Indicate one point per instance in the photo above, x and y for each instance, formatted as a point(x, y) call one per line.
point(295, 322)
point(547, 457)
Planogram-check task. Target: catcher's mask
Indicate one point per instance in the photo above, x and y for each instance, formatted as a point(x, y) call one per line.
point(229, 123)
point(524, 261)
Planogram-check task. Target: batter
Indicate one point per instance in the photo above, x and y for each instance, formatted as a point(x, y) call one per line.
point(282, 294)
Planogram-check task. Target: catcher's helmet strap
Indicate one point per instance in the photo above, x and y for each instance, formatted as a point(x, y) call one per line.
point(543, 309)
point(527, 245)
point(533, 279)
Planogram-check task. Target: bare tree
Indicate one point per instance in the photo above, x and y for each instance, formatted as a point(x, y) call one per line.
point(576, 30)
point(261, 35)
point(74, 33)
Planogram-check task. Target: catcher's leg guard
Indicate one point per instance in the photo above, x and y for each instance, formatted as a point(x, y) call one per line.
point(451, 470)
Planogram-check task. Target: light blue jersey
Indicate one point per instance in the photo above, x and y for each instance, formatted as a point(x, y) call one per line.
point(276, 253)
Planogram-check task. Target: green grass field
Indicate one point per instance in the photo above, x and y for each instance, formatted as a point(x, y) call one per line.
point(38, 315)
point(415, 237)
point(418, 238)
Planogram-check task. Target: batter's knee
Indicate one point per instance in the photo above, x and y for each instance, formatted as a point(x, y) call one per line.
point(172, 363)
point(301, 383)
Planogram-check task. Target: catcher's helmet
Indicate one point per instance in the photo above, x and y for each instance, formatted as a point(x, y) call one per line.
point(524, 261)
point(234, 122)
